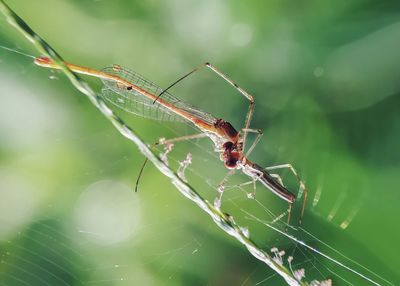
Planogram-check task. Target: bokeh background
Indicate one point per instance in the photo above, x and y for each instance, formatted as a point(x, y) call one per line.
point(325, 75)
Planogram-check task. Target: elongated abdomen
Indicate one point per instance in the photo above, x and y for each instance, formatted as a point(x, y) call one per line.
point(271, 183)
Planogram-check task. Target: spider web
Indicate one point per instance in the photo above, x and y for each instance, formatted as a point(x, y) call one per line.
point(91, 229)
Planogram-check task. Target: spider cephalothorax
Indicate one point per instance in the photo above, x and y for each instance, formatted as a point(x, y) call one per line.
point(226, 129)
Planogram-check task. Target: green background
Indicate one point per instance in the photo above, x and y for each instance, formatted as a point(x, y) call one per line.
point(325, 76)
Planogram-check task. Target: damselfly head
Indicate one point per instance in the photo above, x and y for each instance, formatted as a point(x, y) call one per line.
point(228, 146)
point(230, 156)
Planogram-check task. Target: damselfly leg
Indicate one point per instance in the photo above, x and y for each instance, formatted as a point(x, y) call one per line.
point(162, 141)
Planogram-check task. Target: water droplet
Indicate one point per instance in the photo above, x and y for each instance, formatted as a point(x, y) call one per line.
point(217, 203)
point(245, 231)
point(251, 195)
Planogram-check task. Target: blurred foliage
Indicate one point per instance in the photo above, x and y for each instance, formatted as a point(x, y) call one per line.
point(325, 78)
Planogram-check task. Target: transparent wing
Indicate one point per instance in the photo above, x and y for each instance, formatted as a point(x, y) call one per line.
point(138, 103)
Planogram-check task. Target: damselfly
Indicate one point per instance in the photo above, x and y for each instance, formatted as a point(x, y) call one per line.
point(133, 93)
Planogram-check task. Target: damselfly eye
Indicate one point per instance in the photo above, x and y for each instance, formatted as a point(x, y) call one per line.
point(231, 163)
point(228, 146)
